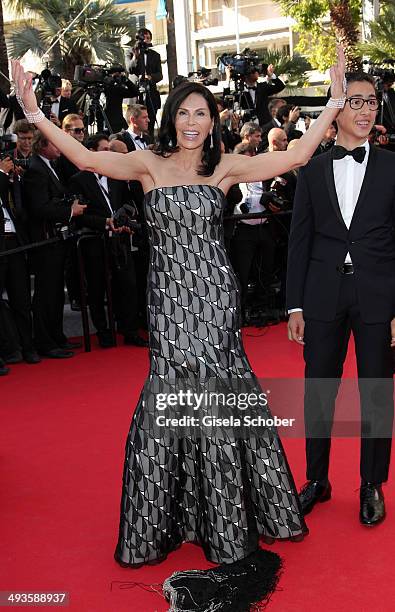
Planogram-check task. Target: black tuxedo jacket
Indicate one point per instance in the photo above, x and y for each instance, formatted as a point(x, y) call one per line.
point(97, 210)
point(135, 187)
point(16, 213)
point(66, 107)
point(320, 240)
point(263, 91)
point(153, 68)
point(42, 196)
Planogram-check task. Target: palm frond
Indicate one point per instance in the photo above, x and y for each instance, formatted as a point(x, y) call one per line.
point(24, 39)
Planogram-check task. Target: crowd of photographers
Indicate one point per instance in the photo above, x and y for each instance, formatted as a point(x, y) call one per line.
point(82, 229)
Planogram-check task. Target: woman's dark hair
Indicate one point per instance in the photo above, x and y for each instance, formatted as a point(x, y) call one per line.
point(167, 141)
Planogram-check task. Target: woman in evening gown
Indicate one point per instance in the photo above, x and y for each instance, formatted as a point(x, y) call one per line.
point(218, 490)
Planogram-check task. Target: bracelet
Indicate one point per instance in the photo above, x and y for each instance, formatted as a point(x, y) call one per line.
point(32, 117)
point(336, 102)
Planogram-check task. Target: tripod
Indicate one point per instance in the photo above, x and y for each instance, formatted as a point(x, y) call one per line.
point(94, 111)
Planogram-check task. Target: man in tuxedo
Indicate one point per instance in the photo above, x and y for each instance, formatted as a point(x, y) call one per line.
point(74, 126)
point(145, 63)
point(14, 276)
point(105, 196)
point(43, 195)
point(255, 96)
point(341, 278)
point(61, 106)
point(273, 107)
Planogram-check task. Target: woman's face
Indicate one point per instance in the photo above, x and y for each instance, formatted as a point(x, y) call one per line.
point(193, 122)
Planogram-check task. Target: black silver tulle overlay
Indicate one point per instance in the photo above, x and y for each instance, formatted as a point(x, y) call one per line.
point(218, 491)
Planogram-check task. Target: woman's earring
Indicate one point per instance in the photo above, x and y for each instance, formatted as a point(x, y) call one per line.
point(211, 141)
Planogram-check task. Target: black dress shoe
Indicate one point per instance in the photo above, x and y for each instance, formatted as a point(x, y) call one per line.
point(105, 339)
point(135, 340)
point(312, 493)
point(15, 357)
point(70, 345)
point(372, 508)
point(31, 357)
point(58, 354)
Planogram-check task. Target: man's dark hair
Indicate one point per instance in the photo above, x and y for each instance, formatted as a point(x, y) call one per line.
point(92, 142)
point(39, 142)
point(167, 142)
point(357, 77)
point(117, 136)
point(360, 77)
point(22, 126)
point(283, 113)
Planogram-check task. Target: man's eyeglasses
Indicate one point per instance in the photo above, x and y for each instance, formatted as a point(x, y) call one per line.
point(77, 130)
point(357, 103)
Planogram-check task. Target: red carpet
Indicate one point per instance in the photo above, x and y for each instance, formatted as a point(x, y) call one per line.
point(64, 424)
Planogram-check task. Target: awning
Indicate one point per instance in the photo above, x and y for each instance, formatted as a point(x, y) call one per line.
point(217, 44)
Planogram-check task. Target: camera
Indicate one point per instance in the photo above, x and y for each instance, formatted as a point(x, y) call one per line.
point(203, 75)
point(242, 63)
point(48, 83)
point(7, 144)
point(66, 231)
point(141, 44)
point(277, 195)
point(126, 217)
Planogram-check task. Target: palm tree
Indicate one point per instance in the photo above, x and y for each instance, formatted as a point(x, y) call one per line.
point(294, 67)
point(4, 84)
point(381, 46)
point(94, 36)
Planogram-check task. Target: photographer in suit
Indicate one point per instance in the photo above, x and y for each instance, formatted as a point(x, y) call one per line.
point(256, 95)
point(43, 195)
point(105, 196)
point(14, 275)
point(145, 63)
point(341, 279)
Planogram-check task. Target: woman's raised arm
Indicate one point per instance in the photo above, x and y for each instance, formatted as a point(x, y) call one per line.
point(240, 169)
point(115, 165)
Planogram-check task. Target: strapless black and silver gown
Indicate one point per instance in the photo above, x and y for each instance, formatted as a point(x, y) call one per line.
point(219, 493)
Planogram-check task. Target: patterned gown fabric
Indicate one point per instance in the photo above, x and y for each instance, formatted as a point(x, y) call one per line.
point(220, 492)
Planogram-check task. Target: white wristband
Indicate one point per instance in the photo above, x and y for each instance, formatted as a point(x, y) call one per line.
point(336, 102)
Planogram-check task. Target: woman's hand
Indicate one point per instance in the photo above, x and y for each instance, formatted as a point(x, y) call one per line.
point(23, 86)
point(337, 75)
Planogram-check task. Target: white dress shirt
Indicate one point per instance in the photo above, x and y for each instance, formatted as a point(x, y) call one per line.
point(348, 175)
point(252, 193)
point(55, 107)
point(139, 144)
point(9, 227)
point(103, 186)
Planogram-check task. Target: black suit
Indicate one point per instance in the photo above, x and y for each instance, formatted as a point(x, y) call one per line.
point(14, 276)
point(262, 93)
point(334, 304)
point(43, 194)
point(121, 260)
point(67, 106)
point(152, 66)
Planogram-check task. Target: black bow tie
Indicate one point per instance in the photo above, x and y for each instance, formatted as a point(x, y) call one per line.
point(358, 154)
point(139, 138)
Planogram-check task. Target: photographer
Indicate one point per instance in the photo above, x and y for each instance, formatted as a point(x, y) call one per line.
point(72, 124)
point(229, 126)
point(117, 87)
point(48, 210)
point(53, 104)
point(145, 63)
point(104, 197)
point(14, 276)
point(389, 109)
point(255, 96)
point(288, 117)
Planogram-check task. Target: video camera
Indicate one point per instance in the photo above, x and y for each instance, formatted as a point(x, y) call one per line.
point(242, 63)
point(95, 78)
point(48, 83)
